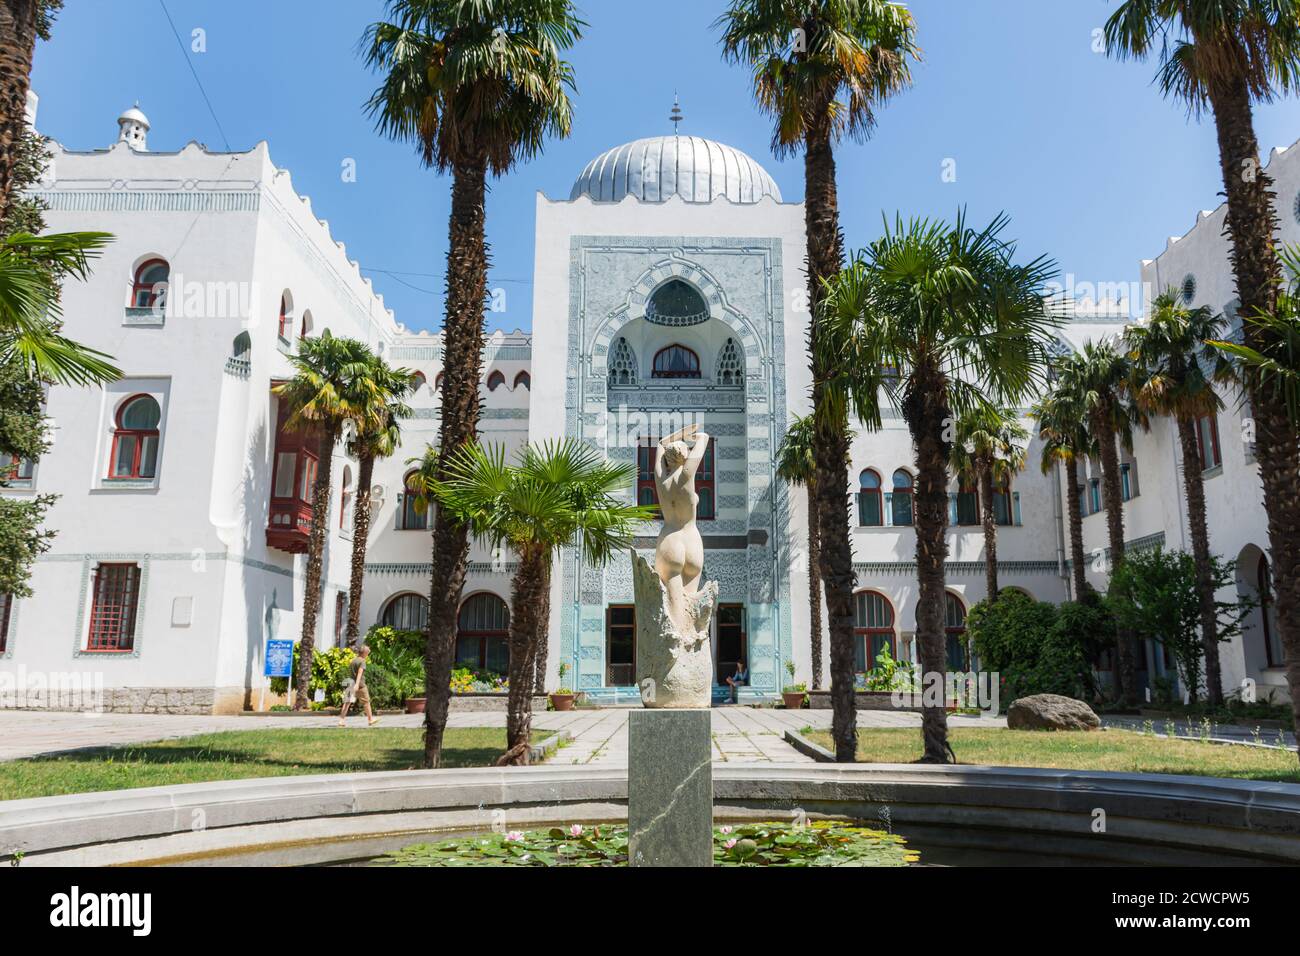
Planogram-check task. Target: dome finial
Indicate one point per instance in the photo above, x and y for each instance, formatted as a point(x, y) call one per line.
point(677, 117)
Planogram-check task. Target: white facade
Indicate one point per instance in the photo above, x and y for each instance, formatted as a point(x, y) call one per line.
point(686, 213)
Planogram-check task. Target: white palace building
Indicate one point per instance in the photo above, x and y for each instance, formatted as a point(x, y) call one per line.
point(667, 283)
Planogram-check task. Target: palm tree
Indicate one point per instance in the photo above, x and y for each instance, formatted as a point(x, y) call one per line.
point(822, 68)
point(796, 464)
point(1098, 378)
point(320, 398)
point(1062, 426)
point(558, 494)
point(1171, 358)
point(477, 86)
point(939, 320)
point(31, 269)
point(21, 22)
point(376, 437)
point(989, 444)
point(1226, 55)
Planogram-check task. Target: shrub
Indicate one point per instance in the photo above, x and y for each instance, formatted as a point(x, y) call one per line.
point(1039, 648)
point(329, 668)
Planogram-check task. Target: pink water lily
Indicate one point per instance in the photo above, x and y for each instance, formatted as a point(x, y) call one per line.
point(730, 843)
point(725, 830)
point(514, 836)
point(575, 830)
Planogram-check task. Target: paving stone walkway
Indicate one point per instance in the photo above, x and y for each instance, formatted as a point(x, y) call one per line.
point(740, 734)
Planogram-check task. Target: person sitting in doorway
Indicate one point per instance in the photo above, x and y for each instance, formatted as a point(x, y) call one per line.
point(355, 690)
point(739, 679)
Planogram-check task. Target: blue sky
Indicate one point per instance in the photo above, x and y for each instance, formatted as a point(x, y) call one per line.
point(1095, 169)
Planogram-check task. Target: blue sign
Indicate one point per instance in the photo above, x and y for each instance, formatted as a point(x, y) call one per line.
point(279, 659)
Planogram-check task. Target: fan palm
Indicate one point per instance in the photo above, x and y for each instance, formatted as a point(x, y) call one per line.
point(320, 398)
point(377, 436)
point(938, 319)
point(796, 464)
point(1097, 378)
point(989, 444)
point(821, 70)
point(1174, 369)
point(559, 493)
point(1062, 426)
point(477, 86)
point(1225, 56)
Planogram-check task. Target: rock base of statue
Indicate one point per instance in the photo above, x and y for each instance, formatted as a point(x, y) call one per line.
point(669, 788)
point(674, 666)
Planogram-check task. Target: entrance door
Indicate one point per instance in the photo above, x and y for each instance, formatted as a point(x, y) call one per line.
point(620, 645)
point(731, 640)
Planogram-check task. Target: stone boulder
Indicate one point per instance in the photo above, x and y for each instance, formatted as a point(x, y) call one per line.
point(1051, 712)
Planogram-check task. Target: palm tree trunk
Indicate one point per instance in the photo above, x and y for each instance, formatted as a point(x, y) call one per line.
point(17, 46)
point(467, 263)
point(830, 447)
point(1251, 224)
point(990, 530)
point(814, 586)
point(1077, 567)
point(360, 532)
point(320, 525)
point(1112, 501)
point(540, 650)
point(530, 610)
point(926, 412)
point(1194, 486)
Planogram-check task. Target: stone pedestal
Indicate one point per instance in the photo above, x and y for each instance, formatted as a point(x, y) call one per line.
point(670, 788)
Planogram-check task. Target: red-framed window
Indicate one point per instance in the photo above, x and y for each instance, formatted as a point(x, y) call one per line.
point(115, 594)
point(675, 361)
point(495, 380)
point(954, 629)
point(483, 634)
point(871, 511)
point(286, 319)
point(410, 515)
point(135, 439)
point(706, 479)
point(524, 379)
point(6, 611)
point(968, 501)
point(406, 612)
point(14, 468)
point(901, 505)
point(1207, 441)
point(873, 628)
point(620, 645)
point(149, 285)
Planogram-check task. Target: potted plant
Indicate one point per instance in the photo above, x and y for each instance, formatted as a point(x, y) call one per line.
point(793, 694)
point(562, 697)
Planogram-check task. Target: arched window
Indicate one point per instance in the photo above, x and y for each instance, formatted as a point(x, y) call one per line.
point(411, 513)
point(870, 510)
point(731, 367)
point(149, 286)
point(968, 501)
point(345, 498)
point(437, 382)
point(903, 497)
point(873, 628)
point(406, 612)
point(286, 318)
point(676, 303)
point(954, 628)
point(1268, 615)
point(483, 634)
point(622, 363)
point(676, 361)
point(305, 328)
point(524, 379)
point(242, 345)
point(418, 381)
point(135, 439)
point(495, 379)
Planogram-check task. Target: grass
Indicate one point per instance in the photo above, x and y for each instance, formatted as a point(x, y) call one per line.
point(240, 754)
point(1079, 750)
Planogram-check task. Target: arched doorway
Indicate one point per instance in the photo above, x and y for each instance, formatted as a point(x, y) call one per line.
point(873, 629)
point(483, 634)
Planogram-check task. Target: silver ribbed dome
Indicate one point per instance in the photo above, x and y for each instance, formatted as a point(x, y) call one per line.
point(696, 169)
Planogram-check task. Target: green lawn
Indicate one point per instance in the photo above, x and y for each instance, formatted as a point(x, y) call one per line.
point(239, 754)
point(1098, 750)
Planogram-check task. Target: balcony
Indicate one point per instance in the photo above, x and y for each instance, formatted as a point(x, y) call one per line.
point(289, 526)
point(290, 515)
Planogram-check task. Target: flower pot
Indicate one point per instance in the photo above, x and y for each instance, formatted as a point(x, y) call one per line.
point(793, 701)
point(562, 701)
point(415, 705)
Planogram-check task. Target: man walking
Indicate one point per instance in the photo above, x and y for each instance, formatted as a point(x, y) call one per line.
point(355, 689)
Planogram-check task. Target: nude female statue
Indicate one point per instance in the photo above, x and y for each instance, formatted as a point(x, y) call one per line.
point(679, 555)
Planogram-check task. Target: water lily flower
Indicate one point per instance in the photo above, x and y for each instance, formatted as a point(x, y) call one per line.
point(514, 836)
point(730, 843)
point(725, 830)
point(575, 830)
